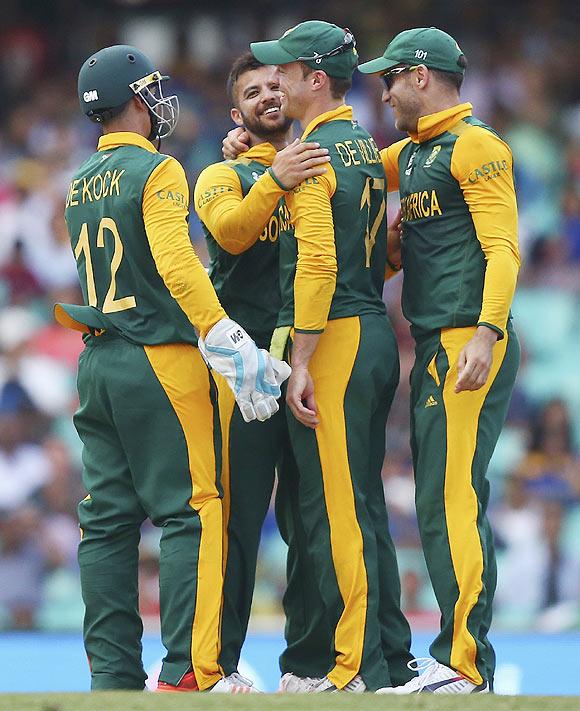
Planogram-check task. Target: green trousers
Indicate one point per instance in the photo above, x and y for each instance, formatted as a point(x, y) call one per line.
point(150, 434)
point(252, 451)
point(453, 436)
point(339, 495)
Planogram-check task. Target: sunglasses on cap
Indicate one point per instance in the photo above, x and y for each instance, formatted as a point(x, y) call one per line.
point(348, 42)
point(389, 77)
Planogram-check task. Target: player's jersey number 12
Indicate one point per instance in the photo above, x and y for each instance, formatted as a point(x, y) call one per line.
point(111, 304)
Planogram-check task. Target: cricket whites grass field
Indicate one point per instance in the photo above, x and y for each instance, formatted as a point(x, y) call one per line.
point(135, 701)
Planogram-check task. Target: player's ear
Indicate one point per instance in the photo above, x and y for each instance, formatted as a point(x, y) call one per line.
point(422, 76)
point(319, 79)
point(237, 117)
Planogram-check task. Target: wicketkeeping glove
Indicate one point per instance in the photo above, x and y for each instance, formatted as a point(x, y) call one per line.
point(251, 372)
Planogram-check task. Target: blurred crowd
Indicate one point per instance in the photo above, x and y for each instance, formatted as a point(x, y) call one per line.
point(522, 79)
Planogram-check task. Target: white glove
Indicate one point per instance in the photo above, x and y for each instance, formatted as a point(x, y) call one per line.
point(251, 372)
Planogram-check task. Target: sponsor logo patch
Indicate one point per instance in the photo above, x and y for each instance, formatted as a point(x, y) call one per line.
point(488, 171)
point(430, 402)
point(434, 153)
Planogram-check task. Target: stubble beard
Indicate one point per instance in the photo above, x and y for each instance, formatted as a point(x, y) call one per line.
point(255, 126)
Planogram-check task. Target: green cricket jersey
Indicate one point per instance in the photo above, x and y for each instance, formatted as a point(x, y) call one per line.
point(244, 217)
point(126, 213)
point(339, 253)
point(459, 250)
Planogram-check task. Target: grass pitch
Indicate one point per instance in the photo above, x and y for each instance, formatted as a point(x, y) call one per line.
point(135, 701)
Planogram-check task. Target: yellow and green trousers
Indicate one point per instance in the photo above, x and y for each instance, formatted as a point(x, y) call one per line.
point(252, 452)
point(151, 449)
point(453, 436)
point(356, 627)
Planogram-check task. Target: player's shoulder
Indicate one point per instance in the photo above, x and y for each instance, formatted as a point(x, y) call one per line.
point(220, 171)
point(474, 134)
point(392, 152)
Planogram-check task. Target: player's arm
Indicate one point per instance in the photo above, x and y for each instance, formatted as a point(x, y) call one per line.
point(234, 220)
point(168, 235)
point(482, 164)
point(491, 198)
point(390, 158)
point(315, 280)
point(314, 284)
point(254, 377)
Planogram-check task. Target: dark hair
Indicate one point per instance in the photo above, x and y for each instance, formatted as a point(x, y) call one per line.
point(338, 87)
point(453, 80)
point(105, 116)
point(246, 62)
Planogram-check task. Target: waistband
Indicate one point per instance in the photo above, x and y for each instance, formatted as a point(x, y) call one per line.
point(96, 338)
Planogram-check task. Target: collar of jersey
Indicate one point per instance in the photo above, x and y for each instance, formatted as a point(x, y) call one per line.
point(435, 124)
point(262, 153)
point(342, 113)
point(124, 138)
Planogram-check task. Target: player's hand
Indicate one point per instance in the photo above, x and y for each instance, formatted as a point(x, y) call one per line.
point(394, 237)
point(299, 161)
point(237, 141)
point(253, 375)
point(475, 360)
point(300, 397)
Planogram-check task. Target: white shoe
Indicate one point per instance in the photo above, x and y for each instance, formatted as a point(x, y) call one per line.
point(435, 679)
point(234, 684)
point(354, 686)
point(291, 683)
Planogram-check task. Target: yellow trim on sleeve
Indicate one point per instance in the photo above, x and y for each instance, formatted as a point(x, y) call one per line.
point(236, 221)
point(390, 158)
point(165, 210)
point(482, 164)
point(316, 267)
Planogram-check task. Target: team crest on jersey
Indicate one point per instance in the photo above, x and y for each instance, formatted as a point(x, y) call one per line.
point(409, 167)
point(433, 156)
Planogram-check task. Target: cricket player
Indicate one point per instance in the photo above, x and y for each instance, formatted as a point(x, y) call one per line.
point(147, 415)
point(242, 208)
point(344, 359)
point(460, 259)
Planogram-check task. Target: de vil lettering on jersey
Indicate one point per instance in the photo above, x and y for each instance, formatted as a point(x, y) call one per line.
point(361, 150)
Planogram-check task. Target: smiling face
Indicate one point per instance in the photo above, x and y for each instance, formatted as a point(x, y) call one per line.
point(404, 99)
point(260, 104)
point(295, 84)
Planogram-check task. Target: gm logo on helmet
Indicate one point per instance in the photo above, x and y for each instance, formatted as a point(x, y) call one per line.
point(91, 95)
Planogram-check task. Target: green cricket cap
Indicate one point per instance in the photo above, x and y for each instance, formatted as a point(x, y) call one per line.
point(422, 45)
point(80, 318)
point(320, 45)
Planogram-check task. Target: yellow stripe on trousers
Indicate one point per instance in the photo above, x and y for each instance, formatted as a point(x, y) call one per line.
point(186, 381)
point(461, 506)
point(226, 404)
point(331, 368)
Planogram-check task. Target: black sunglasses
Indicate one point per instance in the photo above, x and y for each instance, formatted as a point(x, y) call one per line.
point(348, 42)
point(389, 77)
